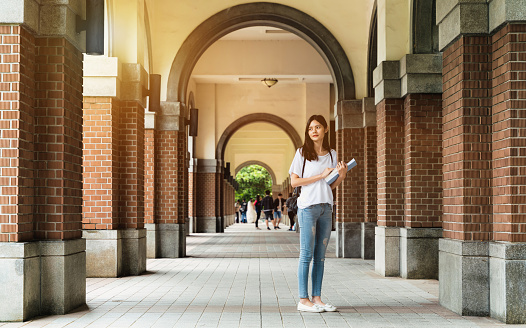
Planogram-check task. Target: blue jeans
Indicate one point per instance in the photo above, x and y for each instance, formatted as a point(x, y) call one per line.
point(315, 231)
point(244, 217)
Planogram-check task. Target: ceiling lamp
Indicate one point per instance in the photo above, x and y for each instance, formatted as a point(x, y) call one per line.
point(269, 82)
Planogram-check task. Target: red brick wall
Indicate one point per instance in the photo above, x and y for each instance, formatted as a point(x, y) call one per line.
point(206, 196)
point(509, 133)
point(423, 160)
point(101, 163)
point(170, 171)
point(370, 174)
point(191, 194)
point(182, 176)
point(390, 165)
point(467, 139)
point(350, 194)
point(58, 117)
point(149, 176)
point(131, 177)
point(17, 93)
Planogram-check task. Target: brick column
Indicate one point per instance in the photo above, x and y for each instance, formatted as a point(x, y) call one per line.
point(150, 204)
point(207, 178)
point(423, 186)
point(42, 255)
point(463, 263)
point(170, 178)
point(370, 176)
point(390, 139)
point(507, 267)
point(192, 202)
point(350, 194)
point(113, 212)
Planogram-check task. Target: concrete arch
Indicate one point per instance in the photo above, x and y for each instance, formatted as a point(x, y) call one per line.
point(252, 118)
point(247, 163)
point(260, 14)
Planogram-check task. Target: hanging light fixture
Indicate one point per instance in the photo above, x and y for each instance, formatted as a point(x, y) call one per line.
point(269, 81)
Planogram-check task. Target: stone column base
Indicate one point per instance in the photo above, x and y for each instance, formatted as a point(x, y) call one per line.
point(367, 240)
point(152, 240)
point(464, 276)
point(387, 251)
point(206, 224)
point(192, 224)
point(507, 269)
point(230, 219)
point(172, 240)
point(419, 252)
point(348, 239)
point(115, 253)
point(41, 278)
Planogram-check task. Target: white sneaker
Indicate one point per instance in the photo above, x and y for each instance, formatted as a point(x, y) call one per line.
point(314, 308)
point(328, 307)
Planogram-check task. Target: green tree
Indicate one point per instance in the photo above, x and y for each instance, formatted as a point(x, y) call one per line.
point(253, 180)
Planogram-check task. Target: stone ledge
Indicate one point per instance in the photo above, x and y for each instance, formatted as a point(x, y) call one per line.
point(19, 250)
point(61, 248)
point(421, 232)
point(507, 251)
point(464, 248)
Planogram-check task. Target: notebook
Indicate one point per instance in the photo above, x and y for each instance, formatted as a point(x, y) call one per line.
point(334, 174)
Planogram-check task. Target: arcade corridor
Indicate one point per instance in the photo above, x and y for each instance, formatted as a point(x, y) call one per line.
point(247, 278)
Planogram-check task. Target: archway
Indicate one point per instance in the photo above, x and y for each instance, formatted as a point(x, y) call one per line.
point(266, 14)
point(268, 168)
point(252, 118)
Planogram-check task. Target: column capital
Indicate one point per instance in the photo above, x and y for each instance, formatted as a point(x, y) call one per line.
point(102, 76)
point(170, 116)
point(47, 18)
point(420, 73)
point(458, 17)
point(149, 120)
point(134, 83)
point(349, 114)
point(386, 80)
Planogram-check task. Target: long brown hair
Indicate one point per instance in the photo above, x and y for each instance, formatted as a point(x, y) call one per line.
point(307, 150)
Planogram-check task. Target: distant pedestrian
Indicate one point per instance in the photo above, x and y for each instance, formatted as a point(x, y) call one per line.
point(268, 205)
point(243, 211)
point(257, 206)
point(279, 203)
point(312, 163)
point(238, 206)
point(290, 211)
point(251, 211)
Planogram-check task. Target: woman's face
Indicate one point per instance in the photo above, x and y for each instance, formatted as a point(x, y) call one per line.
point(316, 131)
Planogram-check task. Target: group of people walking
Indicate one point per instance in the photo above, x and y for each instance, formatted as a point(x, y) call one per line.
point(273, 209)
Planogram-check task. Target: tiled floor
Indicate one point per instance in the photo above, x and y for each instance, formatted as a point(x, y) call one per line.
point(247, 278)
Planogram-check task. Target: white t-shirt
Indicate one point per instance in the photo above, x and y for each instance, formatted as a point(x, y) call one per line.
point(320, 191)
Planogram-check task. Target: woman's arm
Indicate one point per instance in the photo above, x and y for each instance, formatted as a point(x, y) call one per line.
point(342, 172)
point(296, 181)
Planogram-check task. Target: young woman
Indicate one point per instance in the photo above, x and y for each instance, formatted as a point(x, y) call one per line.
point(312, 163)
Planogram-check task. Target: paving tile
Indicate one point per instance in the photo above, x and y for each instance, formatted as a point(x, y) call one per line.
point(248, 278)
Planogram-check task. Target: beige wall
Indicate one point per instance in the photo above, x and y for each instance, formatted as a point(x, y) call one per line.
point(172, 22)
point(261, 57)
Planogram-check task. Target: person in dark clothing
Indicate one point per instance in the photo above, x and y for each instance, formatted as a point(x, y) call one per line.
point(279, 203)
point(257, 205)
point(243, 211)
point(268, 206)
point(290, 212)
